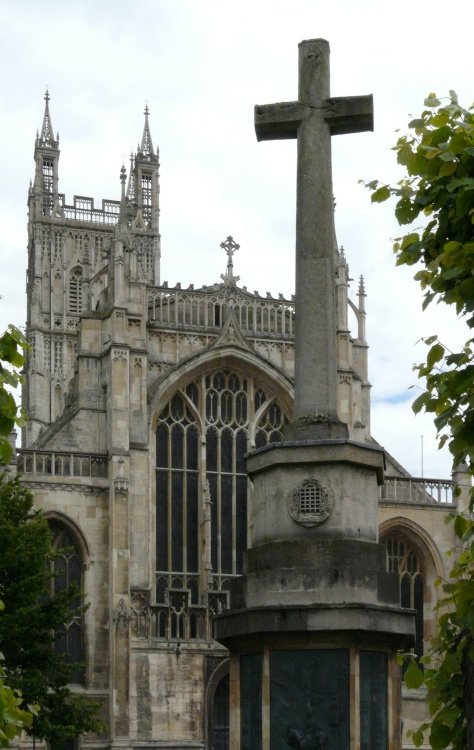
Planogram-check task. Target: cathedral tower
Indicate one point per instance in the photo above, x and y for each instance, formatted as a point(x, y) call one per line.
point(69, 248)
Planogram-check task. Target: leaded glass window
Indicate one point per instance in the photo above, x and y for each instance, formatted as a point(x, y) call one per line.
point(204, 432)
point(404, 560)
point(68, 569)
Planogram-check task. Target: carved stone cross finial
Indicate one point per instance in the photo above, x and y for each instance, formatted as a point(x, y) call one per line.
point(312, 120)
point(230, 246)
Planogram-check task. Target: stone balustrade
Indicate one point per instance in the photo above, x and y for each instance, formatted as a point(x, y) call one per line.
point(61, 464)
point(83, 209)
point(418, 491)
point(206, 309)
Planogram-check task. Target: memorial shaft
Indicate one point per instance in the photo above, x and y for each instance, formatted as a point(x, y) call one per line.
point(312, 120)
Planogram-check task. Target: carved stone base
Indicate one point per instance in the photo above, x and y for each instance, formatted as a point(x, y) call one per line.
point(316, 427)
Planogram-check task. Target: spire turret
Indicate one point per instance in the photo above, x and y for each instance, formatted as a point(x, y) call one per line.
point(144, 183)
point(146, 148)
point(46, 138)
point(43, 199)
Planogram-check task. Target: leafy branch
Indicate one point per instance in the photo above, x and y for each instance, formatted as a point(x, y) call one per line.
point(437, 154)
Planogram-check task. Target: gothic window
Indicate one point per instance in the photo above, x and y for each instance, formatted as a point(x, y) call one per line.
point(404, 560)
point(47, 175)
point(68, 569)
point(146, 195)
point(219, 730)
point(204, 433)
point(75, 290)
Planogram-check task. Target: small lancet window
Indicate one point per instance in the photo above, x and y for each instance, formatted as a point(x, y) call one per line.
point(75, 290)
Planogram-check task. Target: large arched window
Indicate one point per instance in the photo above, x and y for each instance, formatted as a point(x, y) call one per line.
point(68, 569)
point(403, 559)
point(203, 433)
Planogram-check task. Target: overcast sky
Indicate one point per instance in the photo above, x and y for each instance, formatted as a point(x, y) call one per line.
point(202, 65)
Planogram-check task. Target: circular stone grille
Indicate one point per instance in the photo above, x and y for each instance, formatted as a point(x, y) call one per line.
point(310, 503)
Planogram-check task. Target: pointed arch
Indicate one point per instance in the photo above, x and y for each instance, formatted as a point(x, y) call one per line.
point(205, 415)
point(418, 536)
point(57, 515)
point(413, 555)
point(75, 289)
point(228, 357)
point(68, 569)
point(217, 707)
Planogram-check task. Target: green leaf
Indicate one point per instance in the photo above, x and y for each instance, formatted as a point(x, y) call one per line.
point(435, 354)
point(461, 182)
point(432, 101)
point(413, 677)
point(440, 735)
point(447, 156)
point(420, 402)
point(381, 194)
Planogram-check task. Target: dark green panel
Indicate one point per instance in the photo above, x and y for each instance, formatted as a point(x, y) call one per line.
point(309, 699)
point(251, 702)
point(373, 700)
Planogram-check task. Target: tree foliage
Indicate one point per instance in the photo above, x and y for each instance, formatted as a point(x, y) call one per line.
point(437, 192)
point(34, 619)
point(13, 346)
point(14, 716)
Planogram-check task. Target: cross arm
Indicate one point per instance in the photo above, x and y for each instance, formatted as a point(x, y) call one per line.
point(350, 114)
point(278, 121)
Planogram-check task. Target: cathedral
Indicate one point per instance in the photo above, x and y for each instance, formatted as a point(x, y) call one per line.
point(143, 400)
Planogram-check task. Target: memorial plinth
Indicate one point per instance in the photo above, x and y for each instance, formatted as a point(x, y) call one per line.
point(314, 622)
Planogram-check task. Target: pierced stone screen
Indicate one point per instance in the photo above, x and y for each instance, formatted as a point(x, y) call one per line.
point(309, 699)
point(373, 700)
point(251, 702)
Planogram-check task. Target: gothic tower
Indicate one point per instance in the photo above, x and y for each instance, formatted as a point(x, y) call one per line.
point(69, 247)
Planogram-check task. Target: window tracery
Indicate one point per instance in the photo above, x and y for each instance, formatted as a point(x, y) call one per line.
point(203, 433)
point(403, 559)
point(68, 569)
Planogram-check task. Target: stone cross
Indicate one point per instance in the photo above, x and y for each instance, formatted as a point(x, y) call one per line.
point(230, 246)
point(312, 120)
